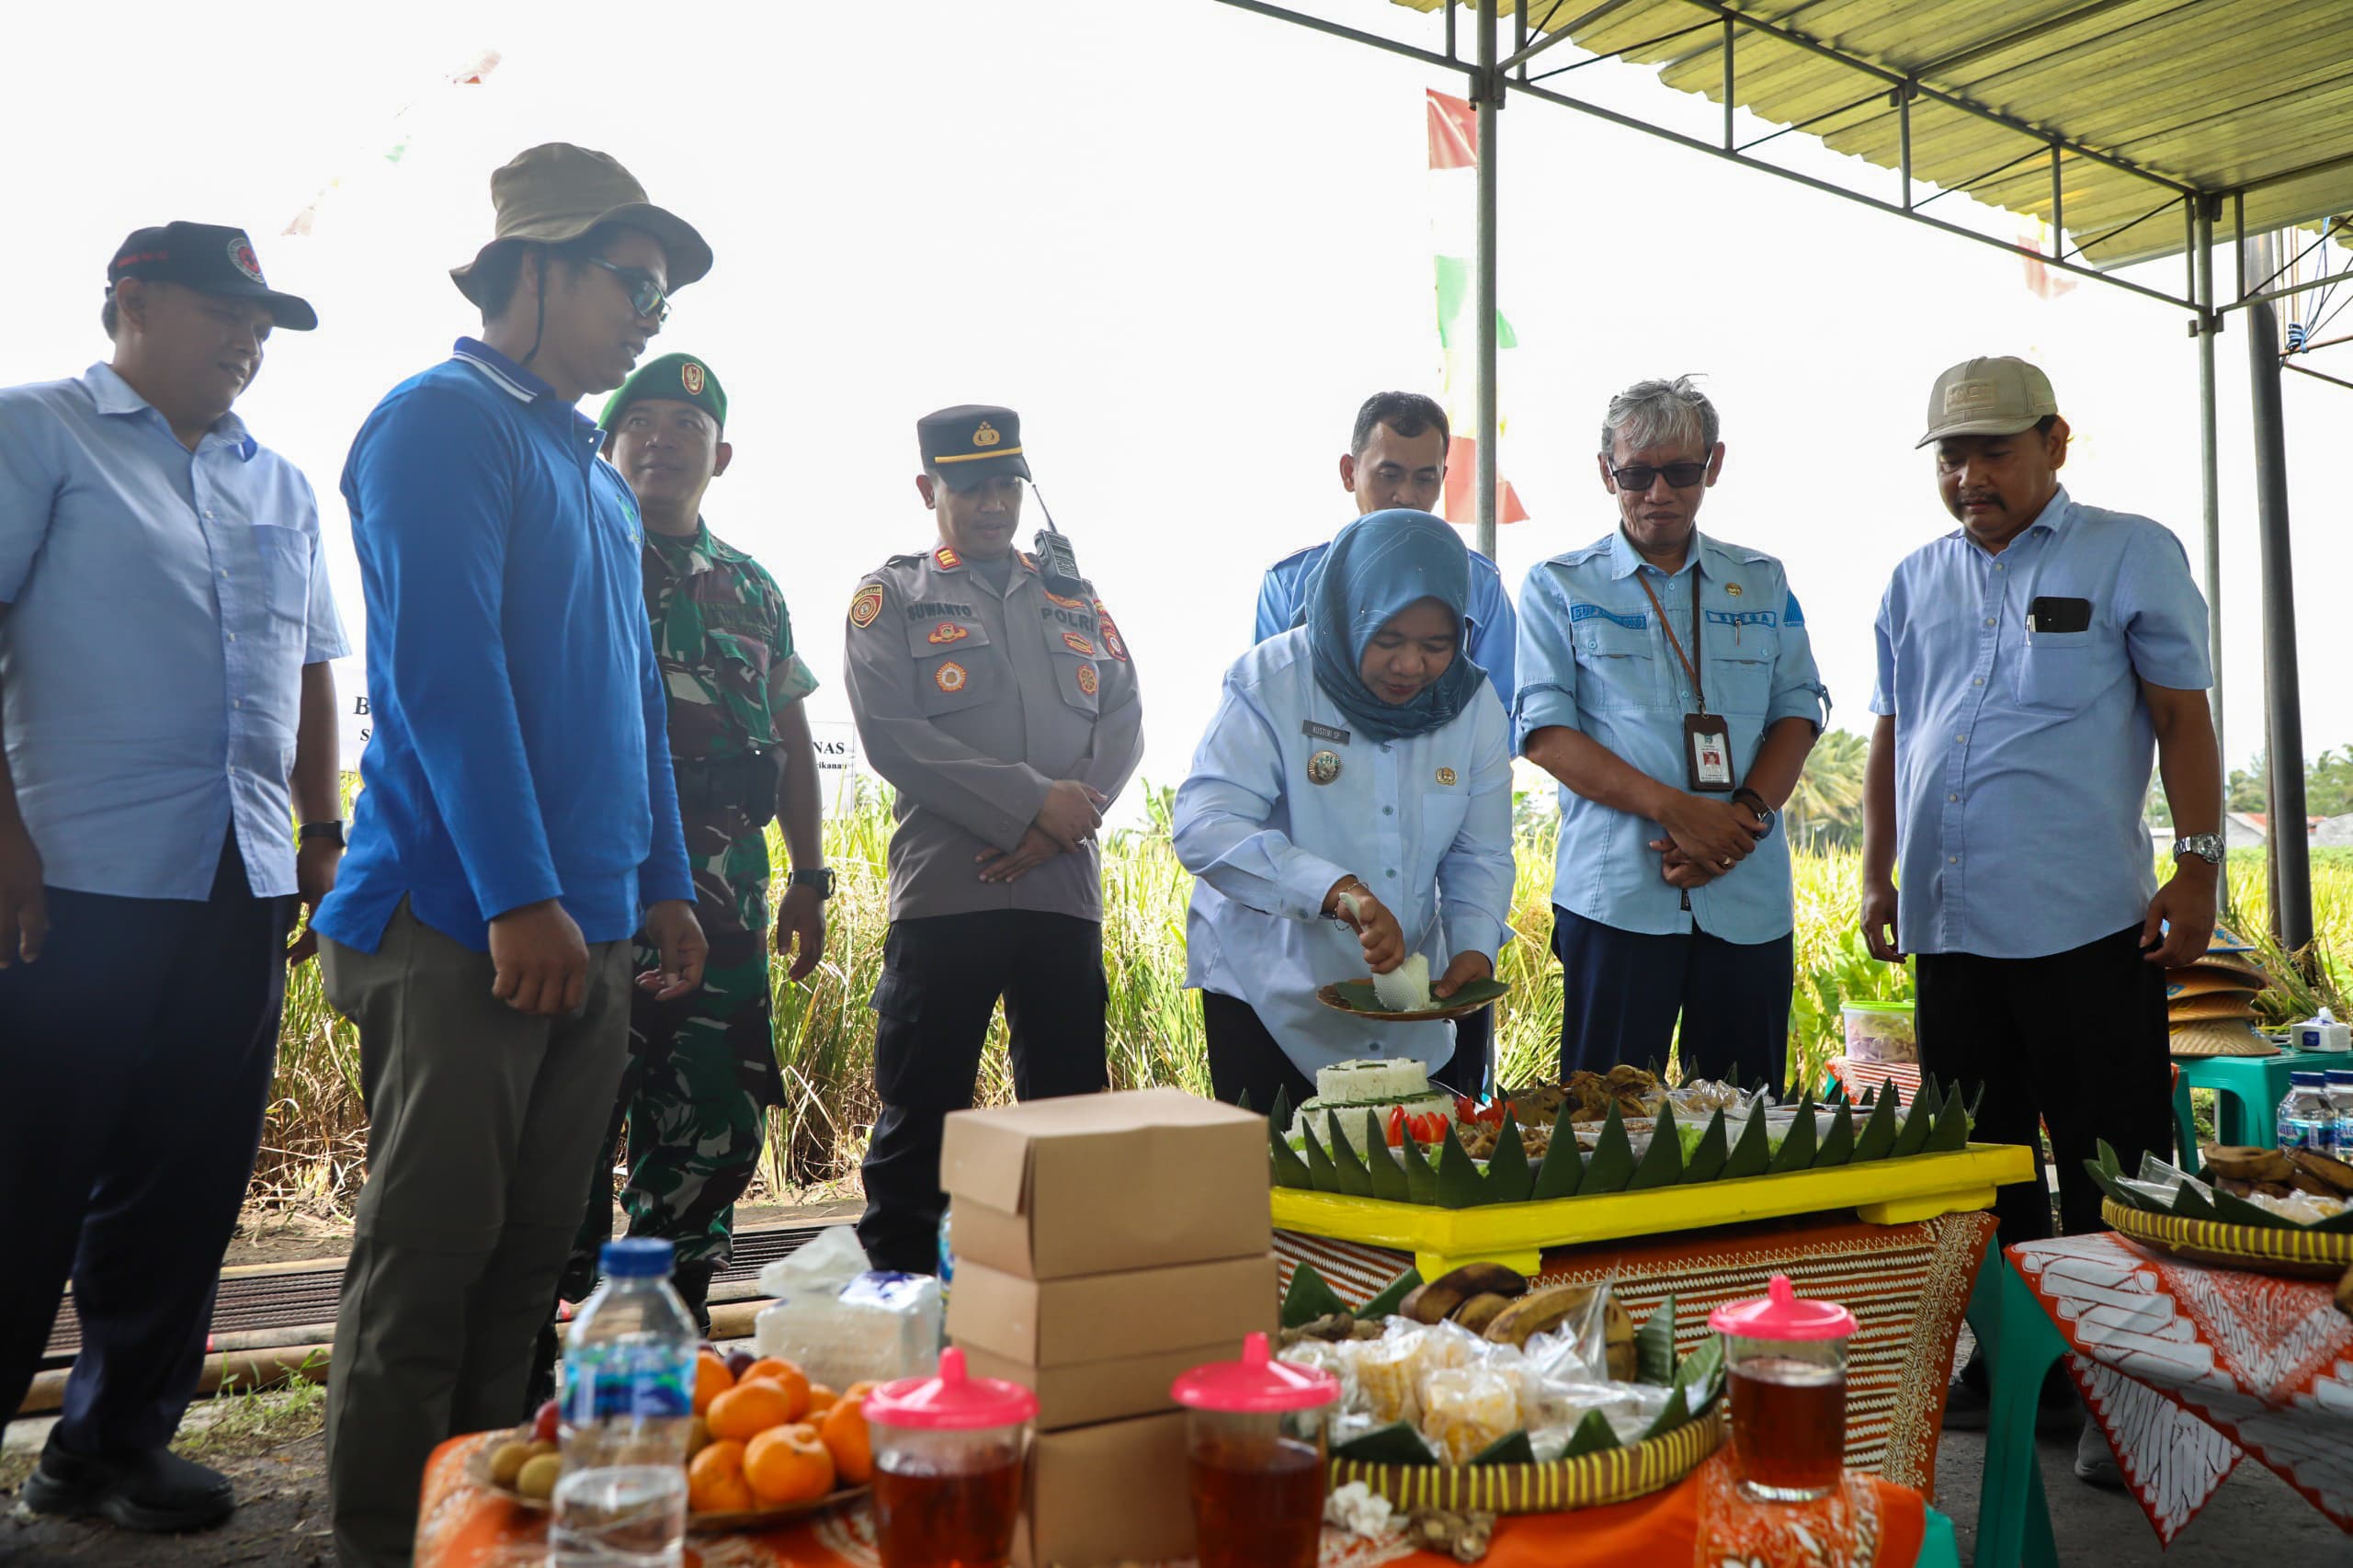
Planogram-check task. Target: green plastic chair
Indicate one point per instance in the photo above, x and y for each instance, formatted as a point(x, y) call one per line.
point(2185, 1123)
point(2247, 1091)
point(2019, 1346)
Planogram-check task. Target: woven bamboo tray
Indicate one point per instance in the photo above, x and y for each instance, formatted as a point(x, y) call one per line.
point(1589, 1480)
point(2302, 1253)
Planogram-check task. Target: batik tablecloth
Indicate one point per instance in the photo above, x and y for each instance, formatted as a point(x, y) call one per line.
point(2187, 1366)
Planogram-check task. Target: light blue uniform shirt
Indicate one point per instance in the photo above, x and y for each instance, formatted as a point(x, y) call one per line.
point(162, 605)
point(1489, 627)
point(1424, 821)
point(1593, 658)
point(2022, 759)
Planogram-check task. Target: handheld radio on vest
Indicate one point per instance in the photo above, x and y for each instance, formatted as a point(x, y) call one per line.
point(1057, 563)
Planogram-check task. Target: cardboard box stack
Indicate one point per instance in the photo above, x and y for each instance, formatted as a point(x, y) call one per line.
point(1103, 1244)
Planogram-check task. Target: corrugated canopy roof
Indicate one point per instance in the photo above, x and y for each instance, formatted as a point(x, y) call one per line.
point(2216, 95)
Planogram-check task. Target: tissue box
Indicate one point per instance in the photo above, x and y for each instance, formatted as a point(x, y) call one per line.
point(877, 1327)
point(2322, 1034)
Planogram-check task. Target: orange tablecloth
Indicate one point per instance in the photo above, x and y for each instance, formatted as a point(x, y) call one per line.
point(465, 1524)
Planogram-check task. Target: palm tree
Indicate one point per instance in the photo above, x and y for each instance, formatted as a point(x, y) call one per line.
point(1828, 804)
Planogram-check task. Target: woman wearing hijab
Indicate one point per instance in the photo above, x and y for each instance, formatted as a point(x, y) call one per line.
point(1358, 755)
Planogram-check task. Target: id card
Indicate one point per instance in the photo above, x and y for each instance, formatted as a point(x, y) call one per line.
point(1707, 747)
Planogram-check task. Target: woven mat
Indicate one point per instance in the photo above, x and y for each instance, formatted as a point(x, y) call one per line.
point(1907, 1286)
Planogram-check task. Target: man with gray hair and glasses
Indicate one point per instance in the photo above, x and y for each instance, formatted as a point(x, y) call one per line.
point(1666, 681)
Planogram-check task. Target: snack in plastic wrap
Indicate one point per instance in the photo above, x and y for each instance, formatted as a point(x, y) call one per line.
point(1388, 1371)
point(1881, 1032)
point(1466, 1411)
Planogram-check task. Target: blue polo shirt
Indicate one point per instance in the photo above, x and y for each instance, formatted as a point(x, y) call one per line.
point(2022, 758)
point(520, 750)
point(1593, 658)
point(1489, 630)
point(162, 606)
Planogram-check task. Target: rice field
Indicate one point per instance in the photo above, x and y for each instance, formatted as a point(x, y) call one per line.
point(315, 1136)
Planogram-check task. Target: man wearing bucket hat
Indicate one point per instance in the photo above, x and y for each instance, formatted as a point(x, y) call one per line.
point(997, 697)
point(702, 1067)
point(519, 824)
point(164, 631)
point(2027, 661)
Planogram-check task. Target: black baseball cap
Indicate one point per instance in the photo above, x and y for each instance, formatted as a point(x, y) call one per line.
point(209, 259)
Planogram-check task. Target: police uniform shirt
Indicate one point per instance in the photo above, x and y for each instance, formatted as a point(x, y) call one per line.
point(972, 699)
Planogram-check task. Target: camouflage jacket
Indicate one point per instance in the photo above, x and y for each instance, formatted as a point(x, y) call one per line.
point(721, 633)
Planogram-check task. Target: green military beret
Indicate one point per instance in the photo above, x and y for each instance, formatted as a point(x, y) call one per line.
point(675, 378)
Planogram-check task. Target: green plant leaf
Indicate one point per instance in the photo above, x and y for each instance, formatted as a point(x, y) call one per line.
point(1662, 1163)
point(1509, 1175)
point(1397, 1290)
point(1421, 1181)
point(1280, 1118)
point(1388, 1176)
point(1878, 1135)
point(1798, 1145)
point(1562, 1170)
point(1289, 1169)
point(1701, 1373)
point(2230, 1210)
point(1348, 1166)
point(1511, 1448)
point(2107, 1182)
point(1309, 1298)
point(1319, 1173)
point(1241, 1099)
point(1871, 1095)
point(1930, 1098)
point(1460, 1184)
point(1707, 1161)
point(1396, 1443)
point(1654, 1346)
point(1918, 1122)
point(1752, 1153)
point(1951, 1135)
point(1612, 1165)
point(1677, 1412)
point(1593, 1436)
point(1838, 1144)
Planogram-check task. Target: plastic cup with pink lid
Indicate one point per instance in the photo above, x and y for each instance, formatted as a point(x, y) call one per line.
point(949, 1452)
point(1255, 1448)
point(1785, 1357)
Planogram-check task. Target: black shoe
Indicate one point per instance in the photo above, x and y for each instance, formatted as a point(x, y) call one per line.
point(155, 1492)
point(692, 1281)
point(2096, 1461)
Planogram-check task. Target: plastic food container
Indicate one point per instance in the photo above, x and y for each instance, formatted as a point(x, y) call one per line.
point(1881, 1031)
point(1786, 1361)
point(948, 1457)
point(1255, 1435)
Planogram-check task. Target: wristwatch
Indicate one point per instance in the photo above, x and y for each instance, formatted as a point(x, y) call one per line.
point(1756, 802)
point(2207, 846)
point(310, 830)
point(821, 879)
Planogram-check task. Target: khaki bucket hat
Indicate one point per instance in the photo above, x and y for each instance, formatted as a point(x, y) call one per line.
point(556, 192)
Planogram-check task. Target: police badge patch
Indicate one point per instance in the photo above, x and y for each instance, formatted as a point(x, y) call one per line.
point(1087, 680)
point(1323, 766)
point(865, 605)
point(949, 677)
point(242, 256)
point(948, 631)
point(1077, 645)
point(690, 377)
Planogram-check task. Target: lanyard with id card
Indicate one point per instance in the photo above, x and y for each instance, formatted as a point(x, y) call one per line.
point(1707, 739)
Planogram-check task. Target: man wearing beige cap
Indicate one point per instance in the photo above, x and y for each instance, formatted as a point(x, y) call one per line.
point(2027, 660)
point(519, 823)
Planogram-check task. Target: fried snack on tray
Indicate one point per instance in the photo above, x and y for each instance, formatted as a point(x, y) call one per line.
point(1479, 1138)
point(1466, 1411)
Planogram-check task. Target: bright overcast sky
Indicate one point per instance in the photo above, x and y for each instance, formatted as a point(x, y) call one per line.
point(1184, 241)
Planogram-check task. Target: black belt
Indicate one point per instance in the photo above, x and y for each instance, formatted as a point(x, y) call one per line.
point(748, 783)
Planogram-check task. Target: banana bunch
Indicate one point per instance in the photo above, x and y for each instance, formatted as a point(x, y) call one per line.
point(1497, 1304)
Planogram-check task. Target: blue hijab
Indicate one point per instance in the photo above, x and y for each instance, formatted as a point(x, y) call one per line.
point(1380, 564)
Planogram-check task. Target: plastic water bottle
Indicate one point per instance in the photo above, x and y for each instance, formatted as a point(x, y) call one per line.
point(2340, 1099)
point(629, 1375)
point(2307, 1119)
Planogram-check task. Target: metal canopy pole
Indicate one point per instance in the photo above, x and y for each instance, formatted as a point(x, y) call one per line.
point(1490, 97)
point(2291, 888)
point(2208, 323)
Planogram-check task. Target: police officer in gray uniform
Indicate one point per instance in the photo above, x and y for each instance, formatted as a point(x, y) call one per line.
point(993, 692)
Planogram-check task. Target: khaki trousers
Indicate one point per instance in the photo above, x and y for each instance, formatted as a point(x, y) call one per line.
point(483, 1125)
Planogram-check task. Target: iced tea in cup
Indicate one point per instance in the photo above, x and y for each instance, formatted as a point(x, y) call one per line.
point(1255, 1447)
point(1785, 1358)
point(948, 1457)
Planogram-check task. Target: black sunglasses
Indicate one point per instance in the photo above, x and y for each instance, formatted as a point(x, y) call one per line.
point(1639, 477)
point(646, 295)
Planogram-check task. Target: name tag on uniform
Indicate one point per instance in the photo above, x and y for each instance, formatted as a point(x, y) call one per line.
point(1707, 744)
point(1316, 731)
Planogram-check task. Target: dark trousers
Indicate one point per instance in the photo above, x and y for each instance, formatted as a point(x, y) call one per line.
point(2076, 1041)
point(942, 976)
point(135, 1059)
point(1621, 992)
point(1244, 1056)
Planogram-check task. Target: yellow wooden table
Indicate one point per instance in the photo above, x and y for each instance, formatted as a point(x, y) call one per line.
point(1884, 1192)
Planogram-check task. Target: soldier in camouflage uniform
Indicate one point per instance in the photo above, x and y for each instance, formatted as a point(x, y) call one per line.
point(702, 1068)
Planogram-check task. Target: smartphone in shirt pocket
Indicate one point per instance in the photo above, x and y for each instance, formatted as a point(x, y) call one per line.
point(2060, 666)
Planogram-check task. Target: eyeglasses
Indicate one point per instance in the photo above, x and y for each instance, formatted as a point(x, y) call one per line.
point(646, 295)
point(1639, 477)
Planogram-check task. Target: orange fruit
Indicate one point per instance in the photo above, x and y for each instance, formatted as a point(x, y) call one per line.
point(711, 1379)
point(785, 1376)
point(789, 1464)
point(715, 1483)
point(821, 1400)
point(842, 1431)
point(749, 1409)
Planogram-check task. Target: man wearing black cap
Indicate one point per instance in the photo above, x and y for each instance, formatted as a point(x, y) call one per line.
point(169, 710)
point(1000, 702)
point(519, 824)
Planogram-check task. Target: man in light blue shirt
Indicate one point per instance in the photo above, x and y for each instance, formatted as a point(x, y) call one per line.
point(1666, 681)
point(2027, 661)
point(168, 708)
